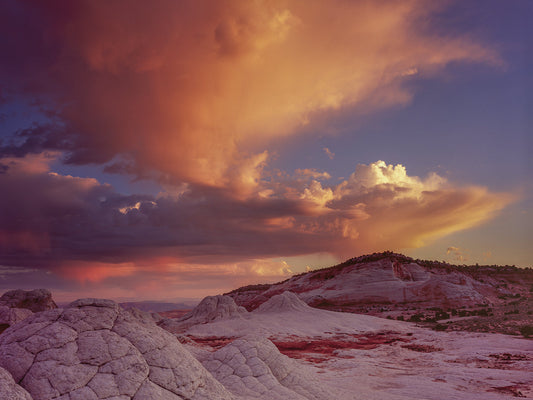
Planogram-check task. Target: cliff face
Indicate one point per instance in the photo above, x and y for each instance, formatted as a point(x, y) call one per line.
point(389, 278)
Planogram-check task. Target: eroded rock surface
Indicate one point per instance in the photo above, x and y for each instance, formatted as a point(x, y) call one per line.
point(252, 367)
point(94, 350)
point(211, 308)
point(34, 300)
point(287, 301)
point(11, 316)
point(9, 390)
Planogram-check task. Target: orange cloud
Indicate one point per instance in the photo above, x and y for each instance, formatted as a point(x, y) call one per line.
point(94, 272)
point(193, 89)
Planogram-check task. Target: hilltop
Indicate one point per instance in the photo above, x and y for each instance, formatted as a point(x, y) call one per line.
point(395, 286)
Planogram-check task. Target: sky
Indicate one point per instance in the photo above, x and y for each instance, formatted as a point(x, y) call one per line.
point(171, 150)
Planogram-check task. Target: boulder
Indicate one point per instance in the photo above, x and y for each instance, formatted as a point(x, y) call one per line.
point(34, 300)
point(94, 350)
point(211, 308)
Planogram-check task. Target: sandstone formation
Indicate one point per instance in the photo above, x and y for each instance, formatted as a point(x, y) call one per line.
point(389, 278)
point(286, 301)
point(253, 367)
point(34, 300)
point(211, 308)
point(94, 350)
point(9, 390)
point(11, 316)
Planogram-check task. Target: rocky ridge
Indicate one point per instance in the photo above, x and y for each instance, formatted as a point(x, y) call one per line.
point(393, 279)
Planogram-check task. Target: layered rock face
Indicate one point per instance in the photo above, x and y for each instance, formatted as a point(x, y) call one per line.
point(211, 308)
point(382, 281)
point(94, 350)
point(34, 300)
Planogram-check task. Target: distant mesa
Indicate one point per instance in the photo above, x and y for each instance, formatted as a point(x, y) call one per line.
point(94, 350)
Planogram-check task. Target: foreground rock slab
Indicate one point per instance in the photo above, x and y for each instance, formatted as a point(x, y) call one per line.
point(254, 368)
point(94, 350)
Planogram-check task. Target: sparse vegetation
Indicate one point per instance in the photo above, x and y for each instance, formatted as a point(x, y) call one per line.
point(526, 331)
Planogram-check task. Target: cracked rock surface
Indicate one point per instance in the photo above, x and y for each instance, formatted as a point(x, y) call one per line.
point(94, 350)
point(9, 389)
point(11, 316)
point(254, 368)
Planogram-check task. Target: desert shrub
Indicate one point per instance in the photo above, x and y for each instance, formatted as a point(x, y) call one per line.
point(400, 318)
point(416, 318)
point(442, 315)
point(526, 330)
point(441, 327)
point(483, 313)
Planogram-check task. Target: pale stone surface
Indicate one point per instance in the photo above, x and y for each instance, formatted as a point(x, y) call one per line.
point(34, 300)
point(287, 301)
point(254, 368)
point(11, 316)
point(211, 308)
point(9, 390)
point(95, 350)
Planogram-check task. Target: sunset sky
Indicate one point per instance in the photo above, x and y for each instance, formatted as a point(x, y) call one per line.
point(177, 149)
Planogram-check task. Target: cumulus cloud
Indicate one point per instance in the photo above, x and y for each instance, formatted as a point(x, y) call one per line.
point(195, 89)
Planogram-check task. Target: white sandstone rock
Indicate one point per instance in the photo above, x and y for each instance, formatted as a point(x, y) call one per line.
point(34, 300)
point(211, 308)
point(94, 350)
point(9, 390)
point(11, 316)
point(254, 368)
point(287, 301)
